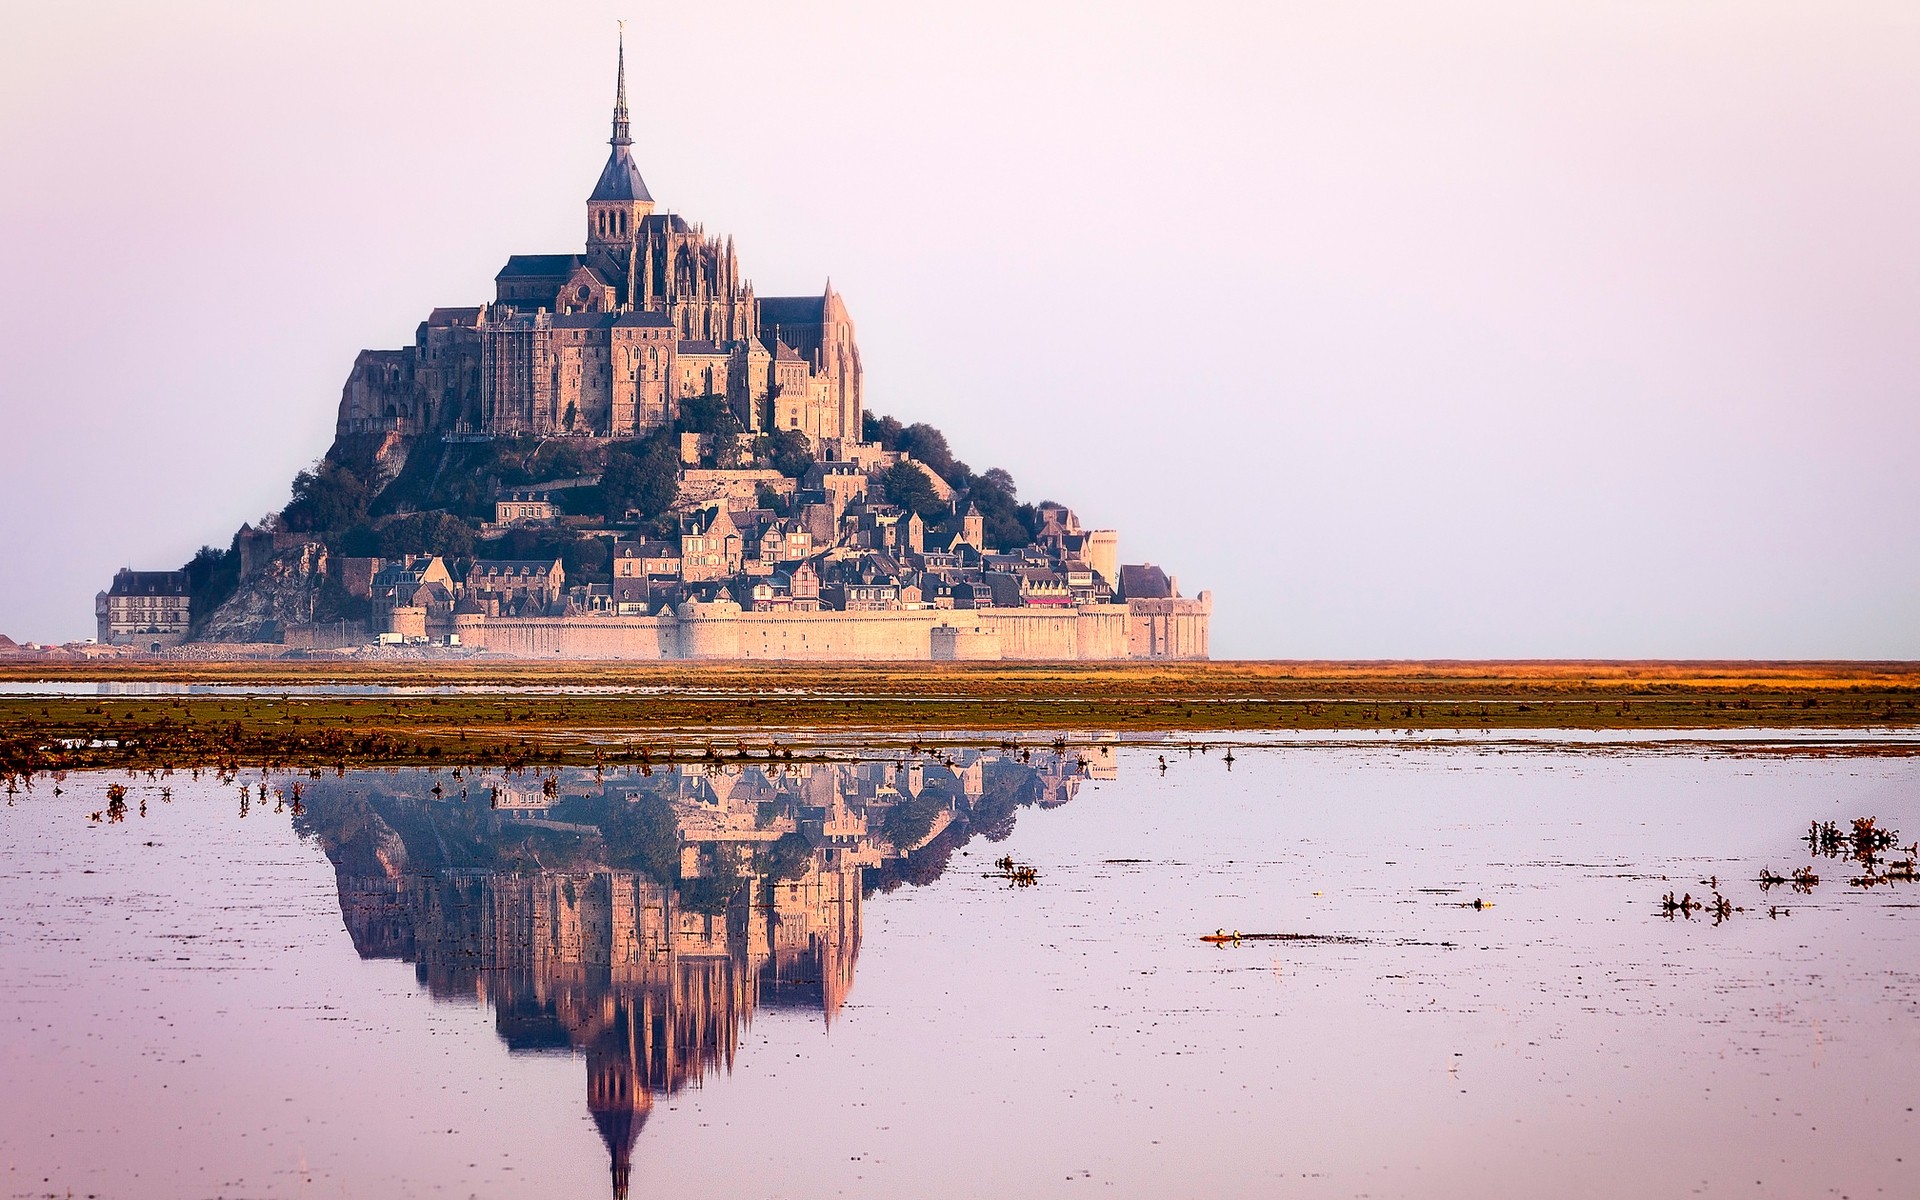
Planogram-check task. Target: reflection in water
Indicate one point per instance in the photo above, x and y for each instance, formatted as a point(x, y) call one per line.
point(643, 918)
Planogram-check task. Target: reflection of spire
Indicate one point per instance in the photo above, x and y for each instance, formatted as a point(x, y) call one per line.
point(617, 1097)
point(653, 980)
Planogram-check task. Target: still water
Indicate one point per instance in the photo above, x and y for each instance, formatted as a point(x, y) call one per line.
point(819, 982)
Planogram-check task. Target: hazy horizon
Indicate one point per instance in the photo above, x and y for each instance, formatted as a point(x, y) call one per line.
point(1408, 330)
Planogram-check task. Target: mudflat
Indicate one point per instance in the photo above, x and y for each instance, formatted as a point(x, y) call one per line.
point(328, 712)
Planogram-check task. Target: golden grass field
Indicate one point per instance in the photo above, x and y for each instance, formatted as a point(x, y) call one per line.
point(607, 712)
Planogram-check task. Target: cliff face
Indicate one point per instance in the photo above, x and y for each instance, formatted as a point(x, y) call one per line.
point(381, 456)
point(281, 588)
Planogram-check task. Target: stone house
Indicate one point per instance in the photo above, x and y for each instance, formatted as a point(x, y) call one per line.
point(785, 541)
point(710, 545)
point(516, 582)
point(524, 506)
point(416, 581)
point(641, 571)
point(151, 609)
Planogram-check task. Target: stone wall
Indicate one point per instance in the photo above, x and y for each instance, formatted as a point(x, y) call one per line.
point(971, 642)
point(718, 631)
point(1169, 629)
point(739, 488)
point(593, 637)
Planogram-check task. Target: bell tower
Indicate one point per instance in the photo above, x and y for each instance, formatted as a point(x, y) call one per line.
point(620, 201)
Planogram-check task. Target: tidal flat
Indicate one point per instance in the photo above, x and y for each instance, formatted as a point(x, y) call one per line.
point(953, 971)
point(331, 712)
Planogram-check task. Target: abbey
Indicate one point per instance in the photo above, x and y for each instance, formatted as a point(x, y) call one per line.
point(629, 454)
point(608, 342)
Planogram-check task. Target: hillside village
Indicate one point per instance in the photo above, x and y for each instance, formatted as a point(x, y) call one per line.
point(629, 453)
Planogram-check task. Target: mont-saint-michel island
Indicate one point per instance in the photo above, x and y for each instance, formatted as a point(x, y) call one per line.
point(628, 749)
point(628, 453)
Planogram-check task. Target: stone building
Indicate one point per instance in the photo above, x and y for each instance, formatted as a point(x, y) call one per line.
point(150, 609)
point(607, 342)
point(517, 583)
point(524, 506)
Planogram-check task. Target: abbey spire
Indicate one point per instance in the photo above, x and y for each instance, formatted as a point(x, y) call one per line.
point(620, 132)
point(620, 200)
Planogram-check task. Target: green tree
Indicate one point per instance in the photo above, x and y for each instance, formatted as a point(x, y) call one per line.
point(1008, 523)
point(644, 477)
point(643, 835)
point(765, 497)
point(789, 857)
point(212, 577)
point(723, 450)
point(907, 486)
point(424, 533)
point(929, 446)
point(790, 452)
point(325, 498)
point(884, 430)
point(707, 415)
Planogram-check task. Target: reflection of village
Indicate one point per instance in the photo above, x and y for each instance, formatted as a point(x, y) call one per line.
point(642, 919)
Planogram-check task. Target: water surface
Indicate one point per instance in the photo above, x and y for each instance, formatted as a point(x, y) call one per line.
point(740, 984)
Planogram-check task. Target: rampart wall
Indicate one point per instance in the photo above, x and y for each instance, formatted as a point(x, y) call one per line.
point(1168, 629)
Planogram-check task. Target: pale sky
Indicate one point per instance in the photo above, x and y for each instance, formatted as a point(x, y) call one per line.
point(1408, 328)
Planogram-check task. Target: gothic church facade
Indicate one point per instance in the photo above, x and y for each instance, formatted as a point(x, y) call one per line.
point(610, 341)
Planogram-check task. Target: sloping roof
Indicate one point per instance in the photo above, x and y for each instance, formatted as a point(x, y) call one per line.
point(703, 521)
point(792, 310)
point(1144, 581)
point(441, 317)
point(620, 179)
point(150, 583)
point(644, 318)
point(583, 320)
point(400, 574)
point(539, 266)
point(695, 346)
point(1006, 590)
point(655, 222)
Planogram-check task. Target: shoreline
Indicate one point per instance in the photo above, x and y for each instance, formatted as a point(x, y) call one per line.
point(608, 714)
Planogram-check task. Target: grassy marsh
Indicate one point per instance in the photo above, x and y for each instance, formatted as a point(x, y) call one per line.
point(607, 712)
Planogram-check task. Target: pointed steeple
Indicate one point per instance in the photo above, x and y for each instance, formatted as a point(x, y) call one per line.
point(620, 180)
point(620, 132)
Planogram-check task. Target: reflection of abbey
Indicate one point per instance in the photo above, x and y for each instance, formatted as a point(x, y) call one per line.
point(651, 952)
point(608, 341)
